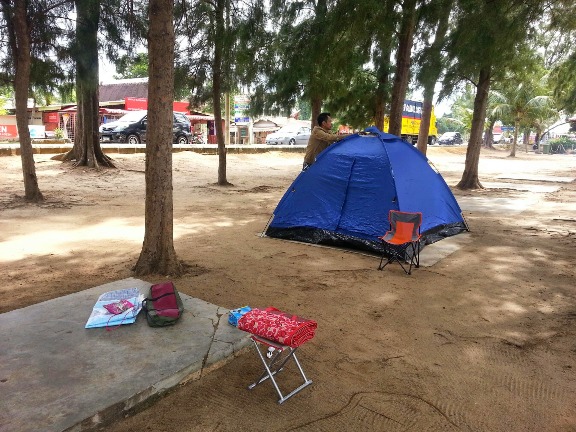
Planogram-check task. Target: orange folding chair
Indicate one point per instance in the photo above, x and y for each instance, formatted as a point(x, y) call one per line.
point(402, 242)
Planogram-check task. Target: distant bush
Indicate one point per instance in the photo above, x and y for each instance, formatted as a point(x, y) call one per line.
point(561, 144)
point(564, 140)
point(58, 133)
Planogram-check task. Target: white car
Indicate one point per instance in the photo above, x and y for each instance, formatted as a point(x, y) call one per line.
point(498, 138)
point(289, 135)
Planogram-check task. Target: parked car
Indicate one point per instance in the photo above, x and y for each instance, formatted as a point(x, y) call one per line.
point(131, 129)
point(450, 138)
point(498, 138)
point(289, 135)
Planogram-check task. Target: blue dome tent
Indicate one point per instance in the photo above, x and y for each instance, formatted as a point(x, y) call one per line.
point(344, 198)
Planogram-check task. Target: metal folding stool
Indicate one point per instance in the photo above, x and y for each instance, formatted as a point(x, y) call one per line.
point(276, 364)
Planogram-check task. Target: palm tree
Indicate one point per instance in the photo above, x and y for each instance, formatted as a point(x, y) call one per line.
point(463, 109)
point(525, 101)
point(492, 116)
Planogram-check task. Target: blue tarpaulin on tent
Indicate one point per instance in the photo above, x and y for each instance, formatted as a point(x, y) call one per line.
point(344, 198)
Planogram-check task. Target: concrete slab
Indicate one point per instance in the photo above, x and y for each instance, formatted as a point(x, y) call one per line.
point(55, 375)
point(536, 177)
point(436, 252)
point(537, 188)
point(509, 205)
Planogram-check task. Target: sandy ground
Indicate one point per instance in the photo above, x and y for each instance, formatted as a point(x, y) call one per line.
point(484, 340)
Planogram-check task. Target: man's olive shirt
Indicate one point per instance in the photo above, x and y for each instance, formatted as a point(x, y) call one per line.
point(319, 140)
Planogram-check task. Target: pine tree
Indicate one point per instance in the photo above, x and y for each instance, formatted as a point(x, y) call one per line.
point(31, 37)
point(158, 254)
point(481, 27)
point(431, 65)
point(87, 150)
point(220, 53)
point(403, 61)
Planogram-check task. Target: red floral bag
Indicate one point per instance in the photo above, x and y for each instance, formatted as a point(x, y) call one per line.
point(278, 326)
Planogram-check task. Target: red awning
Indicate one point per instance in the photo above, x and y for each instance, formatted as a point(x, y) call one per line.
point(111, 111)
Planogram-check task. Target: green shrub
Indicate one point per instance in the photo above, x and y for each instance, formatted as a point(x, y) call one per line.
point(565, 141)
point(58, 133)
point(561, 144)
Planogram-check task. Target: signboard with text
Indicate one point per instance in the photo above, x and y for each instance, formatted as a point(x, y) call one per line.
point(8, 131)
point(241, 108)
point(50, 117)
point(137, 104)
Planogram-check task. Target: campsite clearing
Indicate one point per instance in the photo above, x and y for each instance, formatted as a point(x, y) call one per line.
point(483, 340)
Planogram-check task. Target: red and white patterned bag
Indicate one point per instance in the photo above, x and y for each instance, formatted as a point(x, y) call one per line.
point(278, 326)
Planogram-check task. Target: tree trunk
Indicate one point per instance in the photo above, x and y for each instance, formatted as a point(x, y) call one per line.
point(470, 176)
point(381, 94)
point(158, 254)
point(537, 139)
point(422, 143)
point(488, 141)
point(515, 139)
point(402, 66)
point(431, 76)
point(20, 47)
point(315, 106)
point(219, 11)
point(382, 60)
point(380, 108)
point(526, 140)
point(87, 150)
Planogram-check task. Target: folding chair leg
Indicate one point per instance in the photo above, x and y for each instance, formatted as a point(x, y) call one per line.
point(415, 258)
point(389, 260)
point(271, 369)
point(393, 256)
point(409, 271)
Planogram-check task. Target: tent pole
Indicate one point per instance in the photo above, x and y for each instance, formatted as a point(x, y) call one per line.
point(263, 233)
point(465, 222)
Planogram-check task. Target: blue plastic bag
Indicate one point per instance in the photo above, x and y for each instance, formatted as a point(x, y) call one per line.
point(235, 314)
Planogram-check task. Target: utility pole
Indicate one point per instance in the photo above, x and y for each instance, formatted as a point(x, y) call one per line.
point(227, 94)
point(227, 119)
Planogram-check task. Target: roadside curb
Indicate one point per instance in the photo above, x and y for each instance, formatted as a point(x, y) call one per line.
point(210, 149)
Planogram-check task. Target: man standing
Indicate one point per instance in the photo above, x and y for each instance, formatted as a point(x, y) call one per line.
point(320, 138)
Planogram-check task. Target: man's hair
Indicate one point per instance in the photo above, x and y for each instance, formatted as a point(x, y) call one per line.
point(322, 118)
